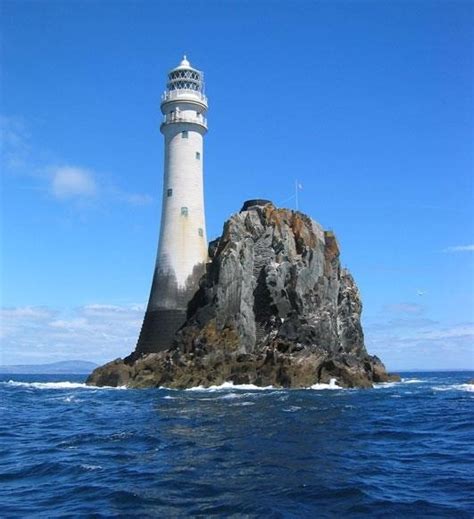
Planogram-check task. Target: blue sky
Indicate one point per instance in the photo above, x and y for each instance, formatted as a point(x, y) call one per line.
point(368, 104)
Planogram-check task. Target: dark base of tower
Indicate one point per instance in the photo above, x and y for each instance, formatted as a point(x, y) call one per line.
point(158, 329)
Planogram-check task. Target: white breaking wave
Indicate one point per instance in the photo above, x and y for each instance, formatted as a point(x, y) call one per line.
point(228, 396)
point(251, 387)
point(332, 385)
point(230, 385)
point(384, 385)
point(455, 387)
point(56, 385)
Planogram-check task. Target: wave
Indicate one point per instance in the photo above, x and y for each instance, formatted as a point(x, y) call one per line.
point(55, 385)
point(251, 387)
point(232, 386)
point(384, 385)
point(319, 386)
point(332, 385)
point(85, 466)
point(455, 387)
point(292, 409)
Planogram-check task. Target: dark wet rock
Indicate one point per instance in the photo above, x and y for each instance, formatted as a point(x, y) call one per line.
point(274, 308)
point(115, 374)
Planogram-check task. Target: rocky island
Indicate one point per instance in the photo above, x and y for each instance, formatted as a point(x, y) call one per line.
point(274, 308)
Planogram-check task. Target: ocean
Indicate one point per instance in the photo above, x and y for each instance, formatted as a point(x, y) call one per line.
point(400, 450)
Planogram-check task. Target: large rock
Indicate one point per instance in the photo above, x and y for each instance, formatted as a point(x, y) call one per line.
point(274, 308)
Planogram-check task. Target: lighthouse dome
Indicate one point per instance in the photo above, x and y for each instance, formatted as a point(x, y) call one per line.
point(185, 77)
point(184, 63)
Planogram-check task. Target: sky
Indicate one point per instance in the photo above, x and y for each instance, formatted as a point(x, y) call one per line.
point(369, 105)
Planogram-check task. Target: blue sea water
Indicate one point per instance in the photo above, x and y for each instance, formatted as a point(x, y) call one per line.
point(399, 450)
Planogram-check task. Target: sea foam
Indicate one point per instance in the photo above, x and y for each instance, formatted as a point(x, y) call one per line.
point(251, 387)
point(230, 385)
point(56, 385)
point(385, 385)
point(332, 385)
point(455, 387)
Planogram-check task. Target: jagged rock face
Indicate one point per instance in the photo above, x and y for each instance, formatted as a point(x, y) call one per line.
point(275, 280)
point(274, 308)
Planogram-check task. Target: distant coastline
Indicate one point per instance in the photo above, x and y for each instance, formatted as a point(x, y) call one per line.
point(72, 367)
point(435, 370)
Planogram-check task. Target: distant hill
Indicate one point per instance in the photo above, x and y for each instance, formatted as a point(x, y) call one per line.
point(66, 366)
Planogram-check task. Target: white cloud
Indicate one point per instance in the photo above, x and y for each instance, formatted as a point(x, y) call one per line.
point(452, 332)
point(460, 248)
point(410, 323)
point(95, 332)
point(28, 312)
point(404, 308)
point(78, 323)
point(421, 343)
point(15, 143)
point(37, 169)
point(110, 311)
point(73, 182)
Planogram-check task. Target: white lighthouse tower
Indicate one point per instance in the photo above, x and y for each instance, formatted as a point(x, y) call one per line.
point(182, 249)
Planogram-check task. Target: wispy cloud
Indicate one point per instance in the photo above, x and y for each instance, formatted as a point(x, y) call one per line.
point(72, 182)
point(403, 323)
point(135, 199)
point(403, 308)
point(15, 150)
point(93, 332)
point(458, 331)
point(439, 348)
point(26, 312)
point(405, 337)
point(459, 248)
point(67, 182)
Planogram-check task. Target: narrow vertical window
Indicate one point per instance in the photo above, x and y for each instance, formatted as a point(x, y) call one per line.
point(198, 155)
point(184, 134)
point(184, 211)
point(200, 232)
point(169, 192)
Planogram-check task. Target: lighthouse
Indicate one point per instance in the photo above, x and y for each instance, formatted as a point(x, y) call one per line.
point(182, 248)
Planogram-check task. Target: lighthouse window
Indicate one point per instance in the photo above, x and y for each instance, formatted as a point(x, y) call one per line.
point(184, 134)
point(200, 232)
point(198, 155)
point(184, 211)
point(169, 192)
